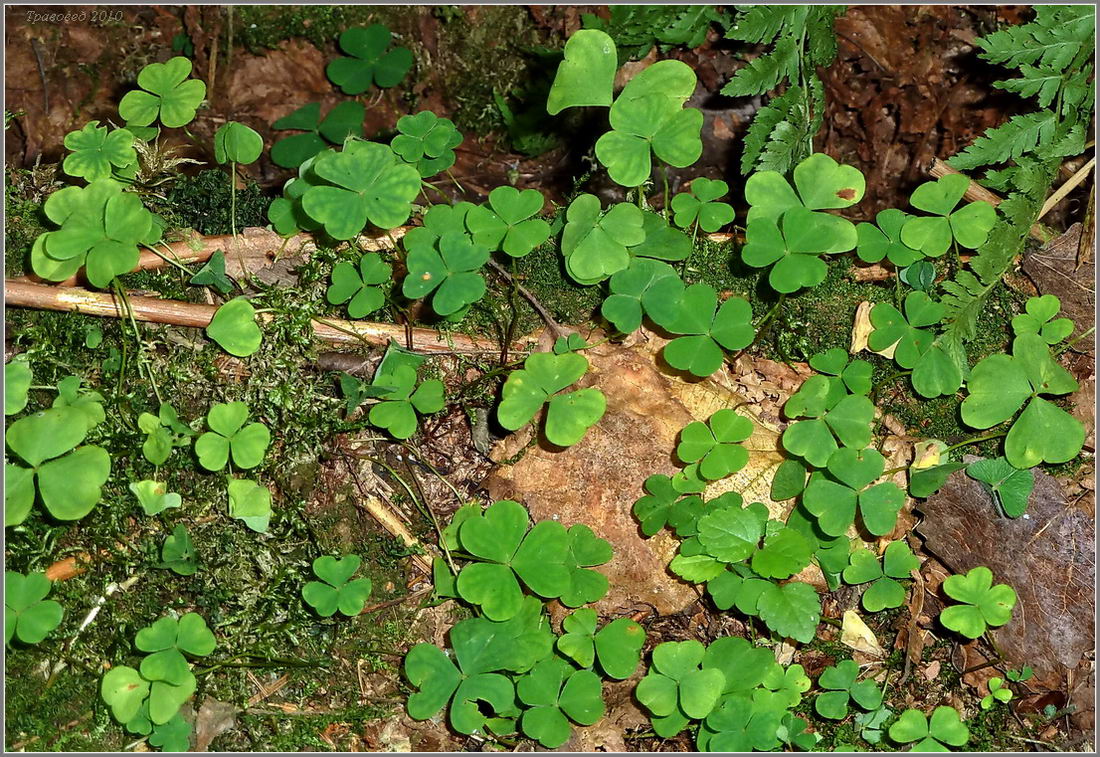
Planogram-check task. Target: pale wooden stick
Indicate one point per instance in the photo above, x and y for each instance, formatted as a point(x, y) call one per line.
point(176, 313)
point(1069, 186)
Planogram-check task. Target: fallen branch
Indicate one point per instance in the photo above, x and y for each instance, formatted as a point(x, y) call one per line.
point(1069, 186)
point(977, 193)
point(173, 312)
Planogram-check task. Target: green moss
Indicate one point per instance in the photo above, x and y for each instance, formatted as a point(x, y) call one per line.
point(202, 202)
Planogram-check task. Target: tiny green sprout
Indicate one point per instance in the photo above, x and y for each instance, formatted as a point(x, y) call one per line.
point(848, 485)
point(370, 62)
point(677, 684)
point(617, 646)
point(1010, 487)
point(905, 333)
point(154, 497)
point(28, 615)
point(982, 604)
point(645, 285)
point(870, 725)
point(355, 391)
point(188, 634)
point(182, 43)
point(648, 118)
point(343, 121)
point(17, 384)
point(124, 690)
point(550, 560)
point(93, 336)
point(250, 503)
point(920, 275)
point(556, 693)
point(883, 240)
point(572, 343)
point(509, 223)
point(1001, 384)
point(426, 141)
point(164, 432)
point(234, 328)
point(229, 435)
point(1021, 675)
point(716, 444)
point(543, 376)
point(595, 243)
point(363, 182)
point(165, 93)
point(815, 440)
point(97, 152)
point(87, 403)
point(884, 591)
point(945, 728)
point(449, 269)
point(178, 553)
point(969, 226)
point(854, 375)
point(586, 75)
point(839, 682)
point(998, 692)
point(1038, 319)
point(924, 482)
point(359, 287)
point(66, 477)
point(212, 274)
point(664, 505)
point(236, 143)
point(336, 590)
point(700, 206)
point(100, 228)
point(706, 328)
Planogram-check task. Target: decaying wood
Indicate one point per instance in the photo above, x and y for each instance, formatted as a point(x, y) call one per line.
point(977, 193)
point(152, 310)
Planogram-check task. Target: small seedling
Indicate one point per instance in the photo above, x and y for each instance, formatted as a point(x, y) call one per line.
point(17, 384)
point(235, 143)
point(983, 604)
point(28, 615)
point(251, 503)
point(336, 590)
point(617, 646)
point(885, 591)
point(234, 328)
point(229, 435)
point(359, 287)
point(398, 407)
point(96, 153)
point(164, 432)
point(998, 692)
point(920, 275)
point(543, 376)
point(841, 686)
point(1039, 319)
point(166, 93)
point(370, 62)
point(1021, 675)
point(572, 343)
point(883, 240)
point(178, 553)
point(212, 274)
point(700, 206)
point(154, 497)
point(934, 734)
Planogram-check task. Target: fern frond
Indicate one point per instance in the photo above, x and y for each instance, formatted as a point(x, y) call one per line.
point(763, 124)
point(1019, 135)
point(1054, 39)
point(784, 149)
point(1036, 82)
point(820, 37)
point(764, 73)
point(761, 24)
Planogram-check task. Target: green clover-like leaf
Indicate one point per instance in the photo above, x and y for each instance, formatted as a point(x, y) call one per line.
point(905, 333)
point(508, 223)
point(165, 94)
point(426, 141)
point(700, 205)
point(369, 62)
point(647, 118)
point(344, 120)
point(969, 226)
point(822, 184)
point(556, 693)
point(336, 591)
point(586, 74)
point(154, 497)
point(731, 533)
point(708, 329)
point(234, 328)
point(792, 610)
point(17, 383)
point(236, 143)
point(1038, 319)
point(28, 615)
point(97, 152)
point(944, 728)
point(544, 375)
point(229, 435)
point(123, 689)
point(1009, 486)
point(792, 246)
point(983, 604)
point(839, 681)
point(883, 240)
point(716, 444)
point(450, 271)
point(178, 553)
point(645, 285)
point(251, 503)
point(595, 243)
point(359, 287)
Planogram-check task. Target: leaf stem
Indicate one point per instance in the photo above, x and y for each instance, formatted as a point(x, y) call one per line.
point(975, 440)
